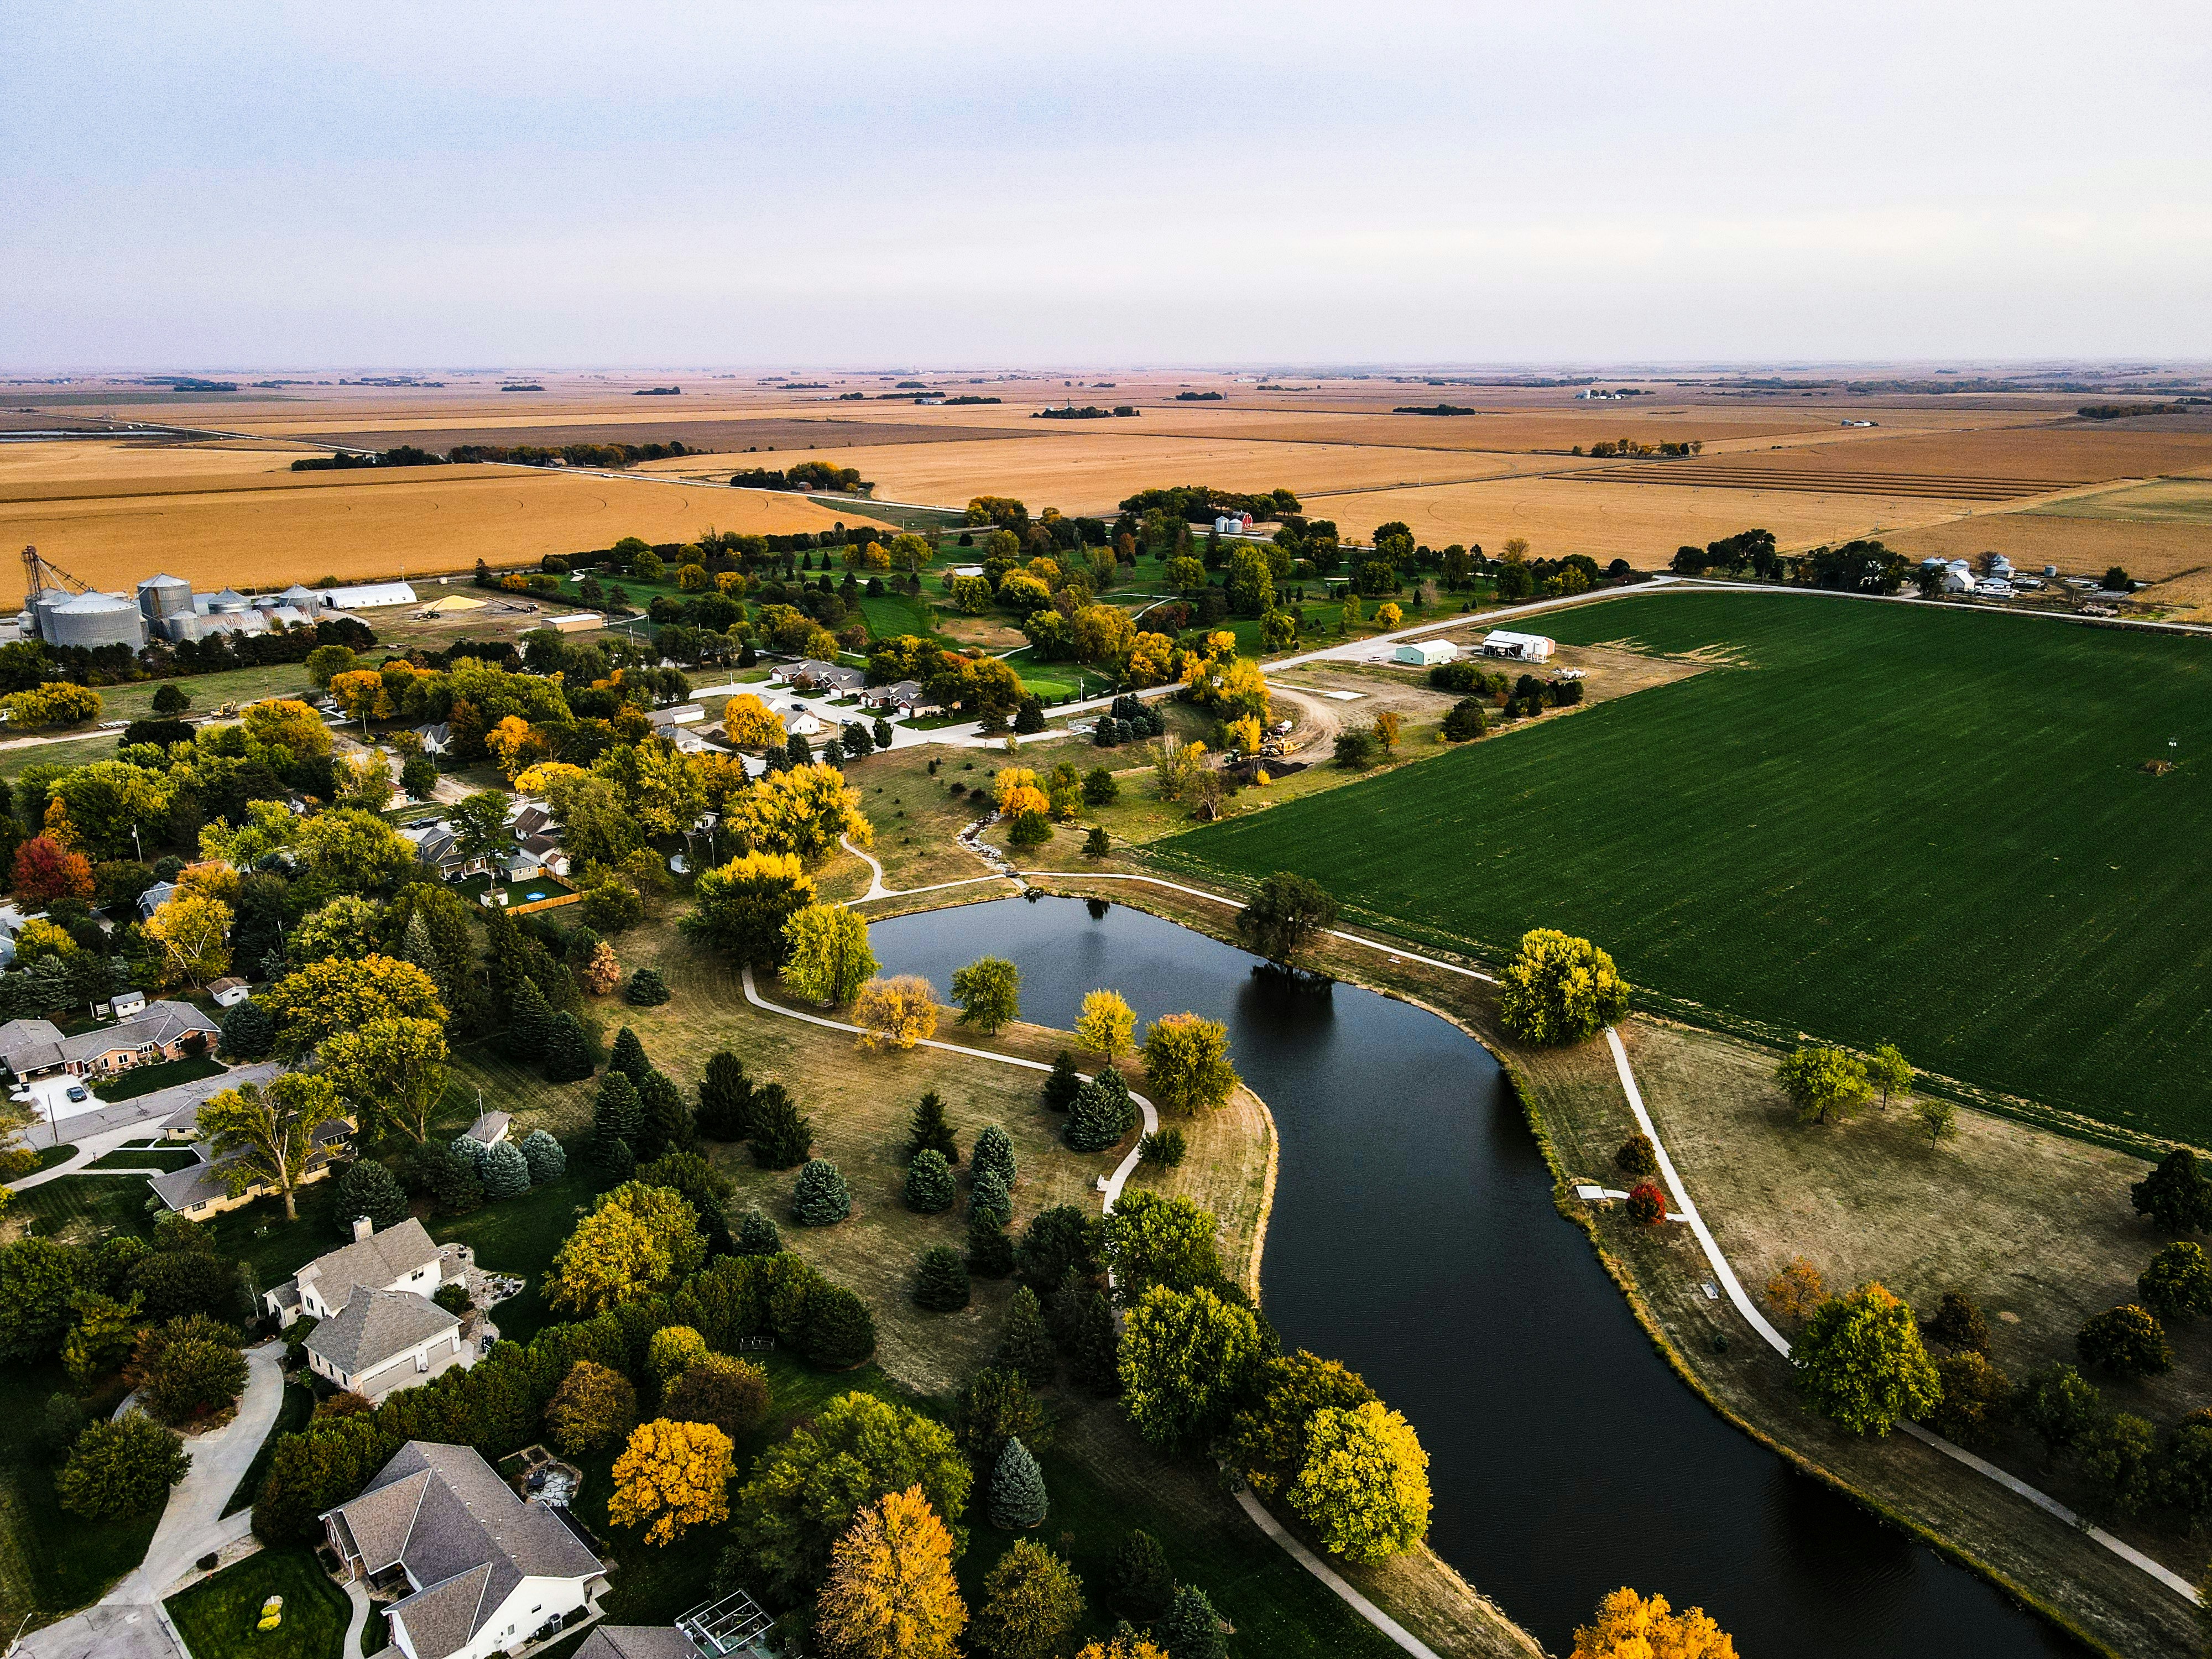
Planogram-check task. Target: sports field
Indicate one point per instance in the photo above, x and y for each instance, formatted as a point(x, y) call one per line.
point(1873, 822)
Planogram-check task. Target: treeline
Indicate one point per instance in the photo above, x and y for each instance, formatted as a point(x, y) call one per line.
point(807, 475)
point(1630, 446)
point(1088, 412)
point(2123, 411)
point(608, 455)
point(1432, 408)
point(1856, 567)
point(1201, 397)
point(1202, 503)
point(403, 455)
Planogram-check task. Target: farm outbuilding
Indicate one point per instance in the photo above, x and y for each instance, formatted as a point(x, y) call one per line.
point(1521, 647)
point(1425, 653)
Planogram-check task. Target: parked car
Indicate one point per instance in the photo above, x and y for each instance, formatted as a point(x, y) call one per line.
point(78, 1093)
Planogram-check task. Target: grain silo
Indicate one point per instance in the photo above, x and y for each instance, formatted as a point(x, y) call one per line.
point(94, 619)
point(162, 597)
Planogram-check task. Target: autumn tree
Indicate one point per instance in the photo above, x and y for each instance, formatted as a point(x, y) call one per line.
point(742, 907)
point(674, 1476)
point(1365, 1489)
point(391, 1071)
point(1268, 1439)
point(1185, 1358)
point(638, 1241)
point(1558, 989)
point(1823, 1081)
point(749, 723)
point(595, 1405)
point(193, 934)
point(730, 1393)
point(1106, 1024)
point(988, 991)
point(45, 871)
point(1860, 1362)
point(1796, 1289)
point(896, 1013)
point(264, 1136)
point(891, 1593)
point(1187, 1063)
point(830, 958)
point(1628, 1626)
point(337, 995)
point(1032, 1603)
point(802, 810)
point(1284, 917)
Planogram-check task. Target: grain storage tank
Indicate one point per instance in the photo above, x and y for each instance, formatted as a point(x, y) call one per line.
point(95, 619)
point(162, 597)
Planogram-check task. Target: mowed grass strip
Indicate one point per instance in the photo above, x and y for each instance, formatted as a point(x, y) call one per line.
point(1875, 822)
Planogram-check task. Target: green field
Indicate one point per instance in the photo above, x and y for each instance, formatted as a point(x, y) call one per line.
point(2164, 501)
point(1872, 822)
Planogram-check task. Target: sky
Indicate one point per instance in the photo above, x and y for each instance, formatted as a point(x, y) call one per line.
point(407, 186)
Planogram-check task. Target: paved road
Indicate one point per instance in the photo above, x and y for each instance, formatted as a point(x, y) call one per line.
point(106, 1127)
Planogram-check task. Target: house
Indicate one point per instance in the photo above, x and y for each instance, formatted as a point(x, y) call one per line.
point(229, 992)
point(200, 1190)
point(799, 719)
point(1521, 647)
point(551, 860)
point(436, 739)
point(165, 1030)
point(490, 1129)
point(732, 1627)
point(905, 697)
point(400, 1258)
point(484, 1572)
point(521, 864)
point(153, 898)
point(812, 676)
point(529, 819)
point(386, 1340)
point(437, 845)
point(1425, 653)
point(684, 713)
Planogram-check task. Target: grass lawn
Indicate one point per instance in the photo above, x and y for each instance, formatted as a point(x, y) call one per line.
point(82, 1209)
point(51, 1562)
point(520, 1236)
point(68, 752)
point(171, 1157)
point(915, 816)
point(217, 1616)
point(1870, 821)
point(209, 692)
point(145, 1080)
point(48, 1157)
point(293, 1411)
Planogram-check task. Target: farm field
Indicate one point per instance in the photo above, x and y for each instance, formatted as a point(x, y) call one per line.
point(2163, 553)
point(1872, 822)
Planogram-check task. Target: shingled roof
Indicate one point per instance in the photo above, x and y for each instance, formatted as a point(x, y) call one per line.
point(374, 1326)
point(377, 1260)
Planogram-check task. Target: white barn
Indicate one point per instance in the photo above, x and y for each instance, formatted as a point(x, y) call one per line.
point(1521, 647)
point(1425, 653)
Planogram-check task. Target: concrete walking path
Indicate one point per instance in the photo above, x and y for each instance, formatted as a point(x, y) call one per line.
point(356, 1593)
point(1328, 1575)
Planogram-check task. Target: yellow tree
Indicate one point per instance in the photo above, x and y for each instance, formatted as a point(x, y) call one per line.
point(1187, 1063)
point(512, 744)
point(392, 1070)
point(804, 810)
point(1106, 1024)
point(675, 1475)
point(537, 779)
point(830, 958)
point(362, 696)
point(286, 723)
point(638, 1241)
point(1365, 1489)
point(899, 1012)
point(1018, 789)
point(1628, 1626)
point(1152, 657)
point(263, 1137)
point(891, 1593)
point(193, 933)
point(343, 994)
point(748, 723)
point(1122, 1647)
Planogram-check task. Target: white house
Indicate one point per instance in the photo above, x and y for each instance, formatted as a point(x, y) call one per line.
point(385, 1340)
point(1521, 647)
point(799, 718)
point(400, 1258)
point(1958, 580)
point(229, 992)
point(484, 1572)
point(1425, 653)
point(906, 697)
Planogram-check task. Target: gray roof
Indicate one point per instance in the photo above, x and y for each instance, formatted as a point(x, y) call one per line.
point(542, 845)
point(377, 1326)
point(196, 1184)
point(488, 1127)
point(28, 1044)
point(164, 579)
point(156, 897)
point(531, 820)
point(377, 1260)
point(636, 1642)
point(462, 1535)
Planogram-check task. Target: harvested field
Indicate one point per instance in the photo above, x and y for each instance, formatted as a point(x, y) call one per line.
point(721, 434)
point(2148, 551)
point(1744, 473)
point(2167, 501)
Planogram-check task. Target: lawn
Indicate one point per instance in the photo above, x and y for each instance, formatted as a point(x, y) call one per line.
point(82, 1209)
point(1870, 822)
point(144, 1079)
point(217, 1616)
point(51, 1562)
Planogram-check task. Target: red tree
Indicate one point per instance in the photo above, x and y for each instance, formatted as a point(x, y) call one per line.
point(1646, 1203)
point(46, 871)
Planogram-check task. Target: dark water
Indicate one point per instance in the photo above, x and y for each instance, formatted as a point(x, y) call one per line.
point(1414, 1238)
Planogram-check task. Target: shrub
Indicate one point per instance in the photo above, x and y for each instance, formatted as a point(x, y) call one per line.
point(2127, 1341)
point(1559, 989)
point(1017, 1495)
point(1646, 1204)
point(1355, 749)
point(730, 1393)
point(673, 1350)
point(987, 1201)
point(505, 1172)
point(757, 1235)
point(1166, 1149)
point(2061, 1406)
point(940, 1281)
point(994, 1154)
point(366, 1188)
point(1958, 1324)
point(820, 1197)
point(1466, 721)
point(122, 1468)
point(454, 1297)
point(1973, 1390)
point(1139, 1583)
point(1636, 1155)
point(2177, 1283)
point(2185, 1479)
point(545, 1157)
point(594, 1406)
point(646, 989)
point(929, 1186)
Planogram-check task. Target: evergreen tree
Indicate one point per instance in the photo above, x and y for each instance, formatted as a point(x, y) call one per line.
point(416, 947)
point(1191, 1628)
point(839, 1332)
point(1018, 1497)
point(620, 1163)
point(988, 1200)
point(471, 1152)
point(1062, 1086)
point(1027, 1345)
point(725, 1098)
point(990, 1252)
point(931, 1186)
point(616, 1117)
point(941, 1281)
point(781, 1138)
point(757, 1235)
point(931, 1132)
point(368, 1188)
point(567, 1053)
point(819, 1197)
point(547, 1158)
point(646, 989)
point(1103, 1113)
point(995, 1153)
point(529, 1021)
point(505, 1172)
point(1057, 1241)
point(1096, 1353)
point(1139, 1583)
point(667, 1121)
point(627, 1057)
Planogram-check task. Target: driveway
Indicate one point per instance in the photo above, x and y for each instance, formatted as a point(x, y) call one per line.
point(104, 1127)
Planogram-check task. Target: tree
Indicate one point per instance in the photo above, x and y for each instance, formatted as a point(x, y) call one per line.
point(2120, 1456)
point(1559, 989)
point(931, 1132)
point(749, 723)
point(646, 989)
point(1150, 1239)
point(638, 1241)
point(2061, 1406)
point(264, 1136)
point(673, 1350)
point(505, 1172)
point(1365, 1489)
point(829, 958)
point(2177, 1283)
point(804, 1491)
point(819, 1197)
point(344, 994)
point(1284, 917)
point(1187, 1063)
point(2177, 1195)
point(123, 1468)
point(804, 809)
point(988, 991)
point(996, 1406)
point(1354, 749)
point(366, 1188)
point(391, 1071)
point(1940, 1118)
point(1185, 1359)
point(1637, 1156)
point(1268, 1439)
point(193, 933)
point(675, 1476)
point(1973, 1390)
point(1103, 1113)
point(1887, 1070)
point(1032, 1605)
point(618, 1120)
point(940, 1281)
point(891, 1593)
point(171, 699)
point(45, 871)
point(757, 1235)
point(725, 1098)
point(988, 1200)
point(2127, 1341)
point(1191, 1628)
point(544, 1157)
point(1140, 1584)
point(2185, 1479)
point(1860, 1361)
point(781, 1138)
point(55, 703)
point(1630, 1627)
point(993, 1155)
point(1018, 1494)
point(1465, 720)
point(896, 1013)
point(730, 1393)
point(1105, 1024)
point(1026, 1346)
point(1646, 1204)
point(595, 1405)
point(104, 1333)
point(348, 925)
point(929, 1186)
point(1821, 1080)
point(187, 1368)
point(248, 1032)
point(1958, 1324)
point(743, 907)
point(839, 1332)
point(1061, 1087)
point(667, 1121)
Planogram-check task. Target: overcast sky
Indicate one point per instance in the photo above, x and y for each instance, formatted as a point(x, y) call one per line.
point(206, 185)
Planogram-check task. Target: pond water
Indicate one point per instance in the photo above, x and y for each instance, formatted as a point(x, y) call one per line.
point(1414, 1238)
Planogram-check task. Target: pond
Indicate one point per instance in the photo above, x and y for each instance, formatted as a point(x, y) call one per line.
point(1414, 1238)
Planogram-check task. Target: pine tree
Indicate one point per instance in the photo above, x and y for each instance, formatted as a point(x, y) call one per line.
point(995, 1153)
point(1191, 1628)
point(725, 1098)
point(415, 946)
point(1096, 1354)
point(990, 1252)
point(619, 1162)
point(1061, 1088)
point(781, 1139)
point(529, 1022)
point(1018, 1497)
point(471, 1152)
point(757, 1235)
point(931, 1186)
point(986, 1198)
point(1139, 1583)
point(646, 989)
point(627, 1057)
point(1101, 1113)
point(616, 1117)
point(940, 1281)
point(568, 1054)
point(931, 1132)
point(505, 1172)
point(667, 1122)
point(819, 1197)
point(547, 1158)
point(840, 1333)
point(1027, 1345)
